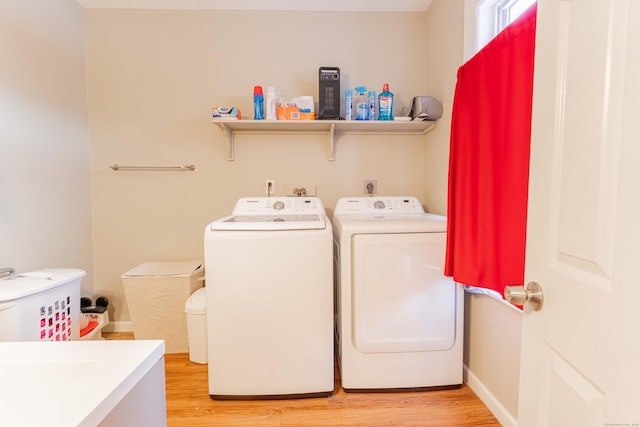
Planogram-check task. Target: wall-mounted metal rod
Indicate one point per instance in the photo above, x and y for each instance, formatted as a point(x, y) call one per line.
point(117, 167)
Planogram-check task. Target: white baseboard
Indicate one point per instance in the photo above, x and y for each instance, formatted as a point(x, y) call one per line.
point(118, 327)
point(497, 409)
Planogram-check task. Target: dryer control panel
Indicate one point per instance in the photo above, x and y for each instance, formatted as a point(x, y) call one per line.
point(376, 205)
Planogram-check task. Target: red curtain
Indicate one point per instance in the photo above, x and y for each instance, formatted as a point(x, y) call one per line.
point(489, 160)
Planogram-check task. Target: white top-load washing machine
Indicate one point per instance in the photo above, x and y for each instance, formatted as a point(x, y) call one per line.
point(400, 320)
point(269, 285)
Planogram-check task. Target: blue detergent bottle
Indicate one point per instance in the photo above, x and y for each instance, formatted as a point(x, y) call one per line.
point(385, 104)
point(258, 103)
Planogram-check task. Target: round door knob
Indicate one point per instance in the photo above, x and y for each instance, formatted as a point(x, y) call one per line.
point(518, 295)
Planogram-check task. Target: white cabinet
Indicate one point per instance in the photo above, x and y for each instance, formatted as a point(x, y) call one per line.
point(332, 128)
point(82, 383)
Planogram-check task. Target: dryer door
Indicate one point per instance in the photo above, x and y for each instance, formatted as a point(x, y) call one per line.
point(402, 302)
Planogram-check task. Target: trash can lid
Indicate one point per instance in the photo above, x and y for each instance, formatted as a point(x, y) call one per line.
point(175, 269)
point(197, 302)
point(33, 282)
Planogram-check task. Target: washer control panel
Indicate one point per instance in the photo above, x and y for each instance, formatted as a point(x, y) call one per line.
point(279, 205)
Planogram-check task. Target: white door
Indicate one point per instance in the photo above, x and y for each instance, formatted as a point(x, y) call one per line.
point(581, 351)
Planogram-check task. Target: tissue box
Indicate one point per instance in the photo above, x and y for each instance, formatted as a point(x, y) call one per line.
point(226, 113)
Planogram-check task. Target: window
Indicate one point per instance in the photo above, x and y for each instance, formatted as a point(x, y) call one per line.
point(509, 10)
point(493, 15)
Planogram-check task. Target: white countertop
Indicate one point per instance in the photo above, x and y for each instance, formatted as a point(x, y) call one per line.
point(73, 383)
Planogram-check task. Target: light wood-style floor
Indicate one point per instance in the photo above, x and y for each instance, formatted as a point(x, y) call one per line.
point(188, 404)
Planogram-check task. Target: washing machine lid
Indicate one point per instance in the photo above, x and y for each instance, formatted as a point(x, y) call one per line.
point(274, 213)
point(269, 222)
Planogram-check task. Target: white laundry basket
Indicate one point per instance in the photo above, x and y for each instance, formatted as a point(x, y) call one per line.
point(42, 305)
point(156, 293)
point(196, 311)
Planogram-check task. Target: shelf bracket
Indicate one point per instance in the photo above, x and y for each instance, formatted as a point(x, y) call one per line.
point(332, 143)
point(230, 142)
point(229, 136)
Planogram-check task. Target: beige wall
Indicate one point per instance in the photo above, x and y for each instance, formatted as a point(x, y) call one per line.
point(493, 333)
point(443, 44)
point(153, 77)
point(45, 199)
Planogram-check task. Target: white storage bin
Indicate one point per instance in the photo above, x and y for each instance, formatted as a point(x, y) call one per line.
point(196, 311)
point(41, 305)
point(156, 293)
point(102, 319)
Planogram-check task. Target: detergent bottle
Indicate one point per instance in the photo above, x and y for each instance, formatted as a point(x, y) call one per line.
point(385, 104)
point(258, 103)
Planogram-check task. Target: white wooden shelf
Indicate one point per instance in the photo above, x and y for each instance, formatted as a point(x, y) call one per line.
point(329, 127)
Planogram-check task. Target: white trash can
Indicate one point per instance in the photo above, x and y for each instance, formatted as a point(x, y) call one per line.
point(196, 311)
point(156, 293)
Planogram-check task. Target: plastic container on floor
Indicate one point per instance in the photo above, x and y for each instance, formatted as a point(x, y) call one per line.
point(196, 311)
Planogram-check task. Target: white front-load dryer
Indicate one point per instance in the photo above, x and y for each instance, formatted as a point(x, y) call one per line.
point(399, 319)
point(269, 287)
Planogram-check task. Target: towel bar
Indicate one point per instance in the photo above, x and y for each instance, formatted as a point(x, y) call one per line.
point(117, 167)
